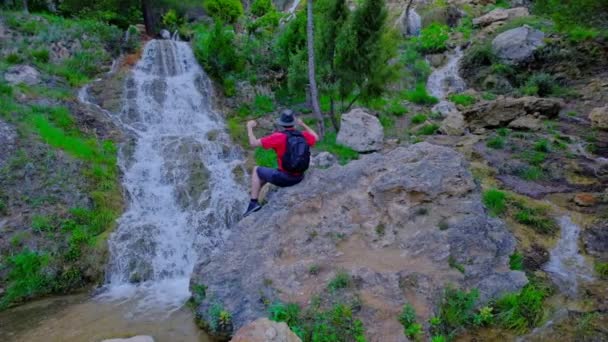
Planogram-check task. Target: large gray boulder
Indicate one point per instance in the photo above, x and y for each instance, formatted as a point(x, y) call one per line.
point(265, 330)
point(599, 117)
point(395, 222)
point(517, 45)
point(499, 15)
point(360, 131)
point(504, 110)
point(22, 74)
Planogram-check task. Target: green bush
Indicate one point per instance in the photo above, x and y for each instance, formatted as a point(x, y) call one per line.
point(43, 223)
point(433, 38)
point(418, 119)
point(429, 129)
point(341, 280)
point(542, 145)
point(478, 55)
point(494, 200)
point(13, 58)
point(263, 104)
point(537, 219)
point(26, 277)
point(220, 320)
point(516, 261)
point(521, 311)
point(396, 108)
point(40, 55)
point(343, 153)
point(601, 269)
point(227, 11)
point(541, 84)
point(496, 142)
point(260, 7)
point(265, 158)
point(456, 310)
point(386, 121)
point(531, 173)
point(419, 95)
point(462, 99)
point(215, 49)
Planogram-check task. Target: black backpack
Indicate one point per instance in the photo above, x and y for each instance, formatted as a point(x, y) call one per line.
point(297, 154)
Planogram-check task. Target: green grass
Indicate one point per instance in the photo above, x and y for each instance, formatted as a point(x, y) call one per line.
point(516, 261)
point(43, 223)
point(495, 201)
point(263, 104)
point(418, 119)
point(340, 281)
point(419, 95)
point(386, 121)
point(521, 311)
point(537, 219)
point(343, 153)
point(462, 99)
point(531, 173)
point(429, 129)
point(265, 158)
point(455, 264)
point(497, 142)
point(407, 318)
point(396, 108)
point(26, 277)
point(543, 145)
point(456, 311)
point(601, 269)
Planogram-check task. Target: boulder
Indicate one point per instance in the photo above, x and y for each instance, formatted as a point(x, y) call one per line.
point(394, 222)
point(360, 131)
point(22, 74)
point(504, 110)
point(500, 14)
point(518, 45)
point(527, 122)
point(453, 124)
point(265, 330)
point(323, 160)
point(595, 240)
point(599, 117)
point(140, 338)
point(165, 34)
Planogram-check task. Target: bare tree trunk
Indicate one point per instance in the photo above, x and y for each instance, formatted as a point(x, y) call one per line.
point(407, 17)
point(314, 94)
point(146, 10)
point(25, 9)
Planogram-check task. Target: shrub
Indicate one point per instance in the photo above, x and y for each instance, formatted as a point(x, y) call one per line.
point(215, 49)
point(531, 173)
point(521, 311)
point(456, 310)
point(386, 121)
point(542, 145)
point(601, 268)
point(540, 84)
point(220, 319)
point(496, 142)
point(171, 20)
point(537, 219)
point(224, 10)
point(396, 108)
point(261, 7)
point(516, 261)
point(5, 89)
point(477, 56)
point(429, 129)
point(419, 95)
point(288, 313)
point(42, 223)
point(462, 99)
point(484, 317)
point(14, 58)
point(26, 277)
point(265, 158)
point(418, 119)
point(343, 153)
point(494, 200)
point(263, 104)
point(40, 55)
point(340, 280)
point(433, 38)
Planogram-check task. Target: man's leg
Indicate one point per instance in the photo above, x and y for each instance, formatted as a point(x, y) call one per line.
point(256, 185)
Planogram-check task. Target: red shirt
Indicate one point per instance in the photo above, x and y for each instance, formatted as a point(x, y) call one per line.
point(278, 142)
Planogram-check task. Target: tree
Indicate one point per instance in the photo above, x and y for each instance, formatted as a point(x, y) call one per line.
point(311, 71)
point(25, 6)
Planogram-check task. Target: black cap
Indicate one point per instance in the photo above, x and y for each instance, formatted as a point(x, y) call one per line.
point(287, 118)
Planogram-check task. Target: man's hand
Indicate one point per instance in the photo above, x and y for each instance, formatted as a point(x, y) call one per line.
point(251, 124)
point(300, 122)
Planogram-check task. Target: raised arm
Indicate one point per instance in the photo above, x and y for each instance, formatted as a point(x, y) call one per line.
point(308, 129)
point(253, 141)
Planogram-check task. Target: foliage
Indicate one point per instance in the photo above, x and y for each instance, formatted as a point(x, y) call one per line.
point(341, 280)
point(214, 48)
point(419, 95)
point(265, 158)
point(171, 20)
point(521, 311)
point(496, 142)
point(494, 200)
point(462, 99)
point(227, 11)
point(531, 173)
point(219, 319)
point(117, 12)
point(569, 15)
point(456, 311)
point(541, 84)
point(428, 129)
point(516, 261)
point(260, 7)
point(484, 317)
point(26, 276)
point(433, 38)
point(418, 118)
point(396, 108)
point(386, 121)
point(537, 219)
point(40, 55)
point(343, 153)
point(601, 269)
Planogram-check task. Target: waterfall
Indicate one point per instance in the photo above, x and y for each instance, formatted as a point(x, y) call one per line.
point(566, 265)
point(182, 196)
point(414, 22)
point(446, 80)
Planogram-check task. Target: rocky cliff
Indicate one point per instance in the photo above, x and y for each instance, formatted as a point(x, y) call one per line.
point(404, 225)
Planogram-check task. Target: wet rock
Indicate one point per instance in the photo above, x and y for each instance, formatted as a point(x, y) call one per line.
point(377, 218)
point(140, 338)
point(8, 138)
point(22, 74)
point(595, 239)
point(535, 257)
point(528, 122)
point(265, 330)
point(500, 14)
point(323, 160)
point(585, 200)
point(453, 124)
point(599, 117)
point(518, 45)
point(360, 131)
point(503, 110)
point(164, 34)
point(436, 60)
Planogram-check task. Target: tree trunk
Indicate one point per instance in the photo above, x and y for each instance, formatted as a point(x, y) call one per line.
point(312, 82)
point(25, 9)
point(407, 17)
point(146, 10)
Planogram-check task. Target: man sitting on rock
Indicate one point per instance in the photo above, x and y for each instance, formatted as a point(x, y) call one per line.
point(293, 155)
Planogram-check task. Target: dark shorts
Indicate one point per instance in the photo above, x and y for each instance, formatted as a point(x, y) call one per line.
point(278, 178)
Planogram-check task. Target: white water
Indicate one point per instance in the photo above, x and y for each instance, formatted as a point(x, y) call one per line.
point(170, 219)
point(414, 22)
point(293, 7)
point(566, 265)
point(446, 80)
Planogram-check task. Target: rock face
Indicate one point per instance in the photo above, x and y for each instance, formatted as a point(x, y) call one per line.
point(503, 110)
point(265, 330)
point(453, 124)
point(500, 14)
point(22, 74)
point(517, 45)
point(361, 131)
point(392, 221)
point(323, 160)
point(595, 240)
point(8, 138)
point(140, 338)
point(599, 117)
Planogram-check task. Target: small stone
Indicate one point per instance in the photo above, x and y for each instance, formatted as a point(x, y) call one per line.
point(599, 117)
point(140, 338)
point(527, 122)
point(361, 131)
point(164, 34)
point(22, 74)
point(585, 199)
point(323, 160)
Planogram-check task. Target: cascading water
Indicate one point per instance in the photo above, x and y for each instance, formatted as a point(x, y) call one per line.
point(414, 22)
point(178, 174)
point(566, 265)
point(446, 80)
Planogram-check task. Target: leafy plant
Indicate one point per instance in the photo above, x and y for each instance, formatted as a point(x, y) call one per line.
point(456, 310)
point(462, 99)
point(484, 317)
point(224, 10)
point(516, 261)
point(265, 158)
point(26, 276)
point(429, 129)
point(396, 108)
point(496, 142)
point(601, 268)
point(433, 38)
point(521, 311)
point(494, 200)
point(418, 119)
point(40, 55)
point(341, 280)
point(419, 95)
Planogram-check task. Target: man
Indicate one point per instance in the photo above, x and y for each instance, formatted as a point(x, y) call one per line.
point(293, 155)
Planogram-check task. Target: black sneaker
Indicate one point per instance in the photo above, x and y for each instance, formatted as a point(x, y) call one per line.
point(252, 208)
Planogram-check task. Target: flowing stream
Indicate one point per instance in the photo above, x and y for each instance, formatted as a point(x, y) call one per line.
point(182, 195)
point(414, 22)
point(446, 80)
